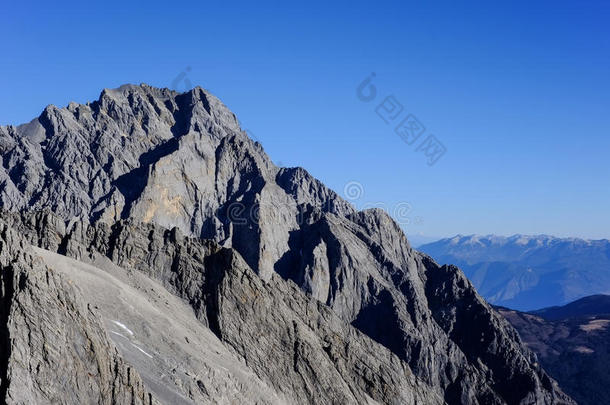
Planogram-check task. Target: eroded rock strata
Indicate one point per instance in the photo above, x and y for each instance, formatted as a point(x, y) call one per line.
point(319, 302)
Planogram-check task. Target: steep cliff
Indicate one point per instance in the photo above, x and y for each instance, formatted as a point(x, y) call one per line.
point(275, 264)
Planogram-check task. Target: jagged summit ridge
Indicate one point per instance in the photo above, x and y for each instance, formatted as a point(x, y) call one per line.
point(155, 155)
point(180, 161)
point(89, 147)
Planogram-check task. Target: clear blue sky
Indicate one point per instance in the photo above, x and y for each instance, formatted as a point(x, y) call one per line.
point(518, 92)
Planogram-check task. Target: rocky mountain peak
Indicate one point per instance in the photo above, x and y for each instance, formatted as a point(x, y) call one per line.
point(122, 178)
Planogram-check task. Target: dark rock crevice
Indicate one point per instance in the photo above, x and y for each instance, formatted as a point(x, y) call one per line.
point(7, 275)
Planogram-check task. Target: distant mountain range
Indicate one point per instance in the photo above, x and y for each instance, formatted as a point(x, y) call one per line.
point(528, 272)
point(573, 345)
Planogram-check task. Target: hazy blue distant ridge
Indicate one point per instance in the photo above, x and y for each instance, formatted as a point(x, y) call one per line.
point(528, 272)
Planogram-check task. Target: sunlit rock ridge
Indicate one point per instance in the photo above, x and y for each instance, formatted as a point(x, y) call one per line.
point(264, 284)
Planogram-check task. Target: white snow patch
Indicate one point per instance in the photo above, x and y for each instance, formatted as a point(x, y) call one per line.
point(122, 326)
point(140, 349)
point(117, 333)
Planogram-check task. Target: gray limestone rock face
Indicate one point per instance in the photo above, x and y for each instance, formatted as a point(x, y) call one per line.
point(119, 172)
point(293, 342)
point(54, 348)
point(276, 344)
